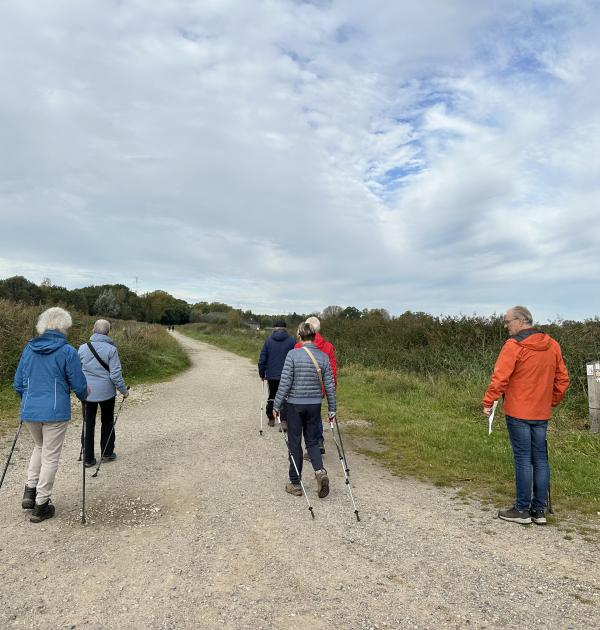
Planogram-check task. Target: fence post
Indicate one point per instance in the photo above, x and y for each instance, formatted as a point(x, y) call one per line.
point(593, 382)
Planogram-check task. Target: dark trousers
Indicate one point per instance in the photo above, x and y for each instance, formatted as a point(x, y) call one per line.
point(107, 435)
point(303, 420)
point(273, 387)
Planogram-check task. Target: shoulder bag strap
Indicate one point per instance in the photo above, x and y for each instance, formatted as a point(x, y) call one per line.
point(317, 366)
point(100, 361)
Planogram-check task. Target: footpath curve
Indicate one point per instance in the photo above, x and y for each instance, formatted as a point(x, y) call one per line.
point(191, 528)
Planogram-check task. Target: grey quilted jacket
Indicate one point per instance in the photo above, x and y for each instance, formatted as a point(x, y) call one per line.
point(300, 382)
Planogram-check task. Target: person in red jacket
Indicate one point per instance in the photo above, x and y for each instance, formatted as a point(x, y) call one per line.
point(327, 347)
point(531, 375)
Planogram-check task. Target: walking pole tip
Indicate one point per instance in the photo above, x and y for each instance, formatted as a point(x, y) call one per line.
point(357, 516)
point(311, 511)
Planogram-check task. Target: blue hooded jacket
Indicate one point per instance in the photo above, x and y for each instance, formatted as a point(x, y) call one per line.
point(49, 368)
point(273, 353)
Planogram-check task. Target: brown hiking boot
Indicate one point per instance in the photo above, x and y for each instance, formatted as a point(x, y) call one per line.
point(271, 422)
point(322, 483)
point(283, 426)
point(294, 488)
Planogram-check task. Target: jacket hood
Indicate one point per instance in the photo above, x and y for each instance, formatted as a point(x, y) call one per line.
point(280, 335)
point(99, 337)
point(535, 340)
point(49, 342)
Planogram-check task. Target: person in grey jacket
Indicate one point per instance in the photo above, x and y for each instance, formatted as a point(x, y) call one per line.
point(305, 372)
point(103, 374)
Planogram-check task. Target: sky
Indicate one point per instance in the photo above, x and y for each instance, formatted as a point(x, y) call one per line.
point(286, 155)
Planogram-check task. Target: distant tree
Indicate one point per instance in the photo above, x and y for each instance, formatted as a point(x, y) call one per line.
point(19, 289)
point(107, 304)
point(351, 312)
point(331, 311)
point(378, 313)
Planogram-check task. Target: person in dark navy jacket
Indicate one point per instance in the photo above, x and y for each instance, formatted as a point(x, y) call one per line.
point(48, 370)
point(270, 364)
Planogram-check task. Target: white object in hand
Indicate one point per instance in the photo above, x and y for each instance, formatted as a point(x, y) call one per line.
point(491, 417)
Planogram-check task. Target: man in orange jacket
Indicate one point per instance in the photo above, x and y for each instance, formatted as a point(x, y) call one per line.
point(531, 375)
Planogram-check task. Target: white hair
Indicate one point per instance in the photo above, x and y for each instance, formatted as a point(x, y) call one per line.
point(522, 313)
point(54, 318)
point(101, 327)
point(314, 322)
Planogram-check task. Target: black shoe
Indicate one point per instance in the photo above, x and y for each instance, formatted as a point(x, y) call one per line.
point(28, 502)
point(514, 516)
point(109, 458)
point(42, 511)
point(322, 447)
point(538, 516)
point(90, 463)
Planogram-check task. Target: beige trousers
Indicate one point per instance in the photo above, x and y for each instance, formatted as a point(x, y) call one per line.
point(48, 439)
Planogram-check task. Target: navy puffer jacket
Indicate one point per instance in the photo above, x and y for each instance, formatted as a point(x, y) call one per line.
point(273, 353)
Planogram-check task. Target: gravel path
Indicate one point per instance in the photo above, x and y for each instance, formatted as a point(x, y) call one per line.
point(191, 528)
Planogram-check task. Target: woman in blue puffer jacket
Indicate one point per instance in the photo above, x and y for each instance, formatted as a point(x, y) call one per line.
point(48, 370)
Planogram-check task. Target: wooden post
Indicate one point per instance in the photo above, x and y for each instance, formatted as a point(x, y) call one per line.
point(593, 381)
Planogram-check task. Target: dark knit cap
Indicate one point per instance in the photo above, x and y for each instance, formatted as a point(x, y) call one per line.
point(279, 323)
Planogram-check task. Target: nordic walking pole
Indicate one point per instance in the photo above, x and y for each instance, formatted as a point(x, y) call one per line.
point(83, 467)
point(112, 430)
point(344, 468)
point(343, 452)
point(295, 467)
point(550, 510)
point(11, 452)
point(262, 402)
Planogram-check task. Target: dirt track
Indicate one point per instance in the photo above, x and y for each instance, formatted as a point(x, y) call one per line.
point(191, 528)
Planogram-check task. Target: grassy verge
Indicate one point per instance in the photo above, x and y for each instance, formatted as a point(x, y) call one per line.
point(432, 428)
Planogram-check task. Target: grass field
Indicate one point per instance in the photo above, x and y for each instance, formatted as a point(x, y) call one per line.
point(433, 428)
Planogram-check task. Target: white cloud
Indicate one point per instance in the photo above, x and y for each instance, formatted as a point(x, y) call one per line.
point(289, 155)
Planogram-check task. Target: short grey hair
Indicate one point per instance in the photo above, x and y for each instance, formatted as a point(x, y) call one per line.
point(306, 331)
point(54, 318)
point(522, 313)
point(314, 322)
point(101, 327)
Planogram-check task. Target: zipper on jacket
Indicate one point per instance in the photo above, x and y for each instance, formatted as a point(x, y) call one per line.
point(54, 394)
point(26, 395)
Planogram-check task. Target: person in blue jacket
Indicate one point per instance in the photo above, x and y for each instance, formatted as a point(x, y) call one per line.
point(103, 373)
point(48, 370)
point(270, 364)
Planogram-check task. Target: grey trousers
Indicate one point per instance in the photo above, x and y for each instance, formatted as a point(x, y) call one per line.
point(48, 440)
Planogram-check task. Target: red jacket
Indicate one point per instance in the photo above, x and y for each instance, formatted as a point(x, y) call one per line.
point(327, 347)
point(532, 376)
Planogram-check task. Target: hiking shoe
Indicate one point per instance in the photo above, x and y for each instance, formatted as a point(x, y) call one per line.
point(28, 502)
point(109, 458)
point(515, 516)
point(322, 483)
point(538, 516)
point(42, 511)
point(322, 447)
point(89, 463)
point(283, 426)
point(271, 423)
point(294, 488)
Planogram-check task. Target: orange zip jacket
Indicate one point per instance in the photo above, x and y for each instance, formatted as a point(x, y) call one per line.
point(532, 376)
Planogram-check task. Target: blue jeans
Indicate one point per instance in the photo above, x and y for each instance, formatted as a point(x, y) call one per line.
point(528, 440)
point(303, 420)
